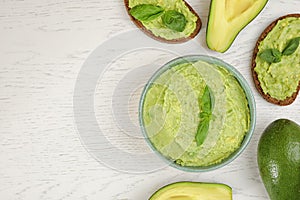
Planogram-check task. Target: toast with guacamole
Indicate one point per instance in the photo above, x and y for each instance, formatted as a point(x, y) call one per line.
point(164, 20)
point(276, 61)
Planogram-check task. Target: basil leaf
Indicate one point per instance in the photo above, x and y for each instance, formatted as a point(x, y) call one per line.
point(271, 55)
point(205, 105)
point(205, 101)
point(146, 12)
point(205, 115)
point(291, 46)
point(174, 20)
point(202, 131)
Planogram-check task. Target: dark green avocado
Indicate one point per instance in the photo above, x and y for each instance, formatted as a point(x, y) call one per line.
point(279, 160)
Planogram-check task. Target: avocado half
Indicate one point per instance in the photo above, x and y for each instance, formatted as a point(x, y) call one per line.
point(193, 190)
point(227, 18)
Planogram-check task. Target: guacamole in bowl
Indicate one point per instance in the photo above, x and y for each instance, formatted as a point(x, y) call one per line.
point(197, 113)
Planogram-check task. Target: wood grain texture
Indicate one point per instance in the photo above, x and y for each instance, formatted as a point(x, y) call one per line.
point(43, 47)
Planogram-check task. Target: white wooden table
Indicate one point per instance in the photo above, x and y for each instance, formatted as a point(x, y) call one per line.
point(49, 53)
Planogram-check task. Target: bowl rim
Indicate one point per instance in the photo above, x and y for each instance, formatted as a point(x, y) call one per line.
point(245, 86)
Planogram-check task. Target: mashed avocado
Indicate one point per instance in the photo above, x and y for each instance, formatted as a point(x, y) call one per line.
point(280, 80)
point(171, 113)
point(157, 27)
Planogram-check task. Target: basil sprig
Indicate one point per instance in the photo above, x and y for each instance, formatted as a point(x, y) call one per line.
point(146, 12)
point(274, 55)
point(271, 55)
point(205, 104)
point(172, 19)
point(291, 46)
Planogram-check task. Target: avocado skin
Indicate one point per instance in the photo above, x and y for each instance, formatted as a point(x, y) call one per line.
point(279, 160)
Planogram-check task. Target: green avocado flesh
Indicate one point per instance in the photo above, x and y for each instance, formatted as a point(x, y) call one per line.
point(280, 80)
point(157, 27)
point(171, 113)
point(227, 18)
point(193, 191)
point(279, 160)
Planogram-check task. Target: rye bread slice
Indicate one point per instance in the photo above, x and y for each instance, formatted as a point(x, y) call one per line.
point(270, 99)
point(161, 39)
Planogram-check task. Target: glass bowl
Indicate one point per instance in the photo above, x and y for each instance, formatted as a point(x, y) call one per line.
point(244, 85)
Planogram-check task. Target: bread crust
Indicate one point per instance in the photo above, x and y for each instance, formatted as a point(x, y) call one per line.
point(270, 99)
point(150, 34)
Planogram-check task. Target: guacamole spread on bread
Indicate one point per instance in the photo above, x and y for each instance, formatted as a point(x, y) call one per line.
point(157, 26)
point(280, 79)
point(170, 113)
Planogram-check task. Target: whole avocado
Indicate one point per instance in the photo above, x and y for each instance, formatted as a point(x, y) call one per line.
point(279, 160)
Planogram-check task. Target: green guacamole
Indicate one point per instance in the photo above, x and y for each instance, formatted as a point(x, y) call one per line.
point(157, 27)
point(280, 80)
point(171, 113)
